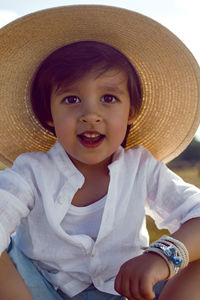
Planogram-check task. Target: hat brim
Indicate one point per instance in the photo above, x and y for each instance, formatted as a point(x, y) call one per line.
point(169, 74)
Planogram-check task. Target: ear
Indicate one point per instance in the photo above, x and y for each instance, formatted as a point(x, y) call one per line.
point(132, 116)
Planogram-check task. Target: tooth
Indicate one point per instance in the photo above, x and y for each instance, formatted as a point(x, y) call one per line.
point(92, 135)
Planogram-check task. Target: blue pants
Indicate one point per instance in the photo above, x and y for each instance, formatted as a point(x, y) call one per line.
point(41, 289)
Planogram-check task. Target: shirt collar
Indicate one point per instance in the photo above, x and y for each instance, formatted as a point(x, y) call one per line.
point(68, 169)
point(117, 159)
point(65, 165)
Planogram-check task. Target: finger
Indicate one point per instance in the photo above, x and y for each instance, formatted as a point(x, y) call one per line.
point(125, 288)
point(117, 285)
point(134, 287)
point(146, 290)
point(122, 286)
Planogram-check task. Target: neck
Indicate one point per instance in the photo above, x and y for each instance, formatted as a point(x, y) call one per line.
point(95, 185)
point(91, 170)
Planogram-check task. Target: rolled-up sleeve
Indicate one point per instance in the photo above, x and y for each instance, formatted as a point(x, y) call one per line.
point(171, 201)
point(16, 201)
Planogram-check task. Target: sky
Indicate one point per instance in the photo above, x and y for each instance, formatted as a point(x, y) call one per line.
point(179, 16)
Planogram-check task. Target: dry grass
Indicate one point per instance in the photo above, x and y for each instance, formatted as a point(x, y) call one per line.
point(190, 175)
point(2, 166)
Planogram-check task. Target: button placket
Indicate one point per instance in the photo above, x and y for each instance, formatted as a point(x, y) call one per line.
point(62, 200)
point(62, 203)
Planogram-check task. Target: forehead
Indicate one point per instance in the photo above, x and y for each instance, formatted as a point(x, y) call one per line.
point(107, 75)
point(113, 79)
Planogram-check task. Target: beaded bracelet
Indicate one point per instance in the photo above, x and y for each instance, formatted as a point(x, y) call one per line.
point(173, 251)
point(181, 247)
point(167, 243)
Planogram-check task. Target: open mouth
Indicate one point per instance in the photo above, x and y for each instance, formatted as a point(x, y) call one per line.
point(91, 139)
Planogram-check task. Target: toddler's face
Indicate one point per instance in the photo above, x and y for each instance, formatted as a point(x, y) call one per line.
point(90, 116)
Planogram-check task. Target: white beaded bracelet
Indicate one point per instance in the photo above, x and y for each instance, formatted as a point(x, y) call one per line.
point(183, 252)
point(172, 251)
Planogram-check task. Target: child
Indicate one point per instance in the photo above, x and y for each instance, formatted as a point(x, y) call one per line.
point(79, 209)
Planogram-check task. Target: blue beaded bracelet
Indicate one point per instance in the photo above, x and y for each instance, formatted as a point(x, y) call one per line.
point(170, 253)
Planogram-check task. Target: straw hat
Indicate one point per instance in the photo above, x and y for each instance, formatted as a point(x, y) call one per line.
point(169, 74)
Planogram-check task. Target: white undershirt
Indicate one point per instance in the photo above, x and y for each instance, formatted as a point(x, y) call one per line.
point(84, 220)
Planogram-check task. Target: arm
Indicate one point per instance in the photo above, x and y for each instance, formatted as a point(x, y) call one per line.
point(12, 286)
point(189, 235)
point(170, 202)
point(137, 276)
point(16, 202)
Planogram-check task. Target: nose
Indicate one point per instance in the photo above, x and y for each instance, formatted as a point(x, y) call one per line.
point(90, 118)
point(91, 115)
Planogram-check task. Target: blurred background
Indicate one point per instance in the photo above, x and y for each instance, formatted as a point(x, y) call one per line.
point(179, 16)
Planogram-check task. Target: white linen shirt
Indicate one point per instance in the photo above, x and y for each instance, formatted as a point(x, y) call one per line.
point(36, 194)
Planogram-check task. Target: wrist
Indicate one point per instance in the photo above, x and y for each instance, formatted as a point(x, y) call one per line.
point(160, 263)
point(172, 251)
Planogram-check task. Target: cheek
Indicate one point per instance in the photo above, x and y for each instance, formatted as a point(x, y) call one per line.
point(63, 126)
point(119, 127)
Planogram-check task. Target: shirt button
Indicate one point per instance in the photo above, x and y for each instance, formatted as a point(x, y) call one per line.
point(61, 200)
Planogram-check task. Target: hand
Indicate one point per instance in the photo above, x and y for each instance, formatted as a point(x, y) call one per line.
point(137, 276)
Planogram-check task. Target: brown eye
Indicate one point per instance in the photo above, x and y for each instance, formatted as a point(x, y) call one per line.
point(71, 100)
point(109, 99)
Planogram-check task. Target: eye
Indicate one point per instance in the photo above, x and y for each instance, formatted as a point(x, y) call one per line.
point(109, 99)
point(71, 100)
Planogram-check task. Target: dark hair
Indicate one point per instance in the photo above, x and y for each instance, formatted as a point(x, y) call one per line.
point(68, 64)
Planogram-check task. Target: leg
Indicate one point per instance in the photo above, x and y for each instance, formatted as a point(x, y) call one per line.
point(12, 286)
point(159, 286)
point(94, 294)
point(38, 286)
point(185, 285)
point(91, 293)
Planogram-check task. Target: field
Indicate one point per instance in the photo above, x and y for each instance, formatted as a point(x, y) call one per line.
point(1, 166)
point(189, 174)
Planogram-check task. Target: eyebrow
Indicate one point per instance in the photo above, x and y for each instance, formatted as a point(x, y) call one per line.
point(108, 88)
point(113, 89)
point(61, 90)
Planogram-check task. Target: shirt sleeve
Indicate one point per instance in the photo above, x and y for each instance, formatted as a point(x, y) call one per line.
point(171, 201)
point(16, 200)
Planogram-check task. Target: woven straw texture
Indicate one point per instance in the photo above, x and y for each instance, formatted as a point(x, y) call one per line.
point(169, 74)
